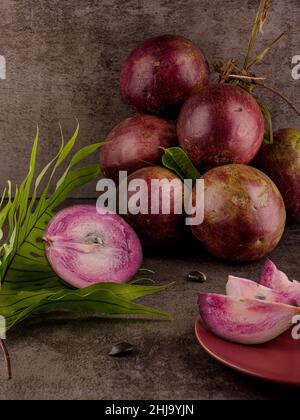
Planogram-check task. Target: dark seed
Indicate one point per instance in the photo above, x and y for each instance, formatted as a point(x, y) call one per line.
point(121, 350)
point(196, 276)
point(259, 297)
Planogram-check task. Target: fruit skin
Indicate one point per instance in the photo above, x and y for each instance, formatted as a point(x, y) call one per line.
point(134, 142)
point(244, 288)
point(220, 125)
point(244, 213)
point(162, 73)
point(158, 231)
point(281, 162)
point(84, 247)
point(245, 321)
point(278, 280)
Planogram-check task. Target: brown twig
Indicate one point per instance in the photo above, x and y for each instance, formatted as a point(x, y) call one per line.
point(260, 19)
point(7, 359)
point(281, 95)
point(226, 71)
point(239, 76)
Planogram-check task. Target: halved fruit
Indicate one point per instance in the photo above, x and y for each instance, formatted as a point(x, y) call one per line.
point(243, 288)
point(245, 321)
point(277, 280)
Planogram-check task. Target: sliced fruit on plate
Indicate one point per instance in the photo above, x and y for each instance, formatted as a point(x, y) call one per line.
point(244, 288)
point(245, 321)
point(277, 280)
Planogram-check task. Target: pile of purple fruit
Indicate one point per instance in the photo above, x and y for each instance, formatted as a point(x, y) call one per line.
point(221, 128)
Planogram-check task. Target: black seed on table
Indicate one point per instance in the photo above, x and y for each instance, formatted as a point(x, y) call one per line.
point(121, 350)
point(196, 276)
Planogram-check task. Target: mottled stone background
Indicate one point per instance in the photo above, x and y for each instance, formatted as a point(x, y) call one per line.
point(64, 58)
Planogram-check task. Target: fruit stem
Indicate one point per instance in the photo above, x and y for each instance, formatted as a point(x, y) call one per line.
point(281, 95)
point(239, 76)
point(260, 19)
point(7, 359)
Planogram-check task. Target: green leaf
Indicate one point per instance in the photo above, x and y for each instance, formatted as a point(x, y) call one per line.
point(178, 161)
point(28, 284)
point(106, 298)
point(26, 223)
point(84, 152)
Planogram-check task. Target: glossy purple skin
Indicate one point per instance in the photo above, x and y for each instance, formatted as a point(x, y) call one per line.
point(220, 125)
point(244, 213)
point(162, 73)
point(134, 142)
point(157, 231)
point(281, 161)
point(84, 247)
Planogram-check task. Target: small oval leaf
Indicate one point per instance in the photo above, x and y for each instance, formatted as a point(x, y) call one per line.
point(178, 161)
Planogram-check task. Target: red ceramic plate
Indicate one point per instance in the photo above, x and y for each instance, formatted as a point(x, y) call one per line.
point(276, 361)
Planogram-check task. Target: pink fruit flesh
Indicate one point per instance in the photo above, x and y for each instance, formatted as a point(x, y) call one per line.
point(84, 247)
point(277, 280)
point(222, 124)
point(245, 321)
point(243, 288)
point(162, 73)
point(135, 143)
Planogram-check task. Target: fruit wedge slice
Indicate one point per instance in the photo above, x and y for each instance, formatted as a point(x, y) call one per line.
point(244, 288)
point(245, 321)
point(277, 280)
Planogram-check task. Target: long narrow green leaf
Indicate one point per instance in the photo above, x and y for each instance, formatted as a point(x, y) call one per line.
point(105, 298)
point(25, 188)
point(78, 157)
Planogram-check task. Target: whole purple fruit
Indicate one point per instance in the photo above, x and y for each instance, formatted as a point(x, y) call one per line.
point(158, 230)
point(281, 161)
point(162, 73)
point(135, 142)
point(220, 125)
point(244, 213)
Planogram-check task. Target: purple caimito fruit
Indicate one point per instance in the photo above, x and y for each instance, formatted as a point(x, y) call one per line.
point(245, 321)
point(162, 73)
point(277, 280)
point(222, 124)
point(281, 162)
point(85, 247)
point(159, 229)
point(244, 288)
point(244, 213)
point(135, 143)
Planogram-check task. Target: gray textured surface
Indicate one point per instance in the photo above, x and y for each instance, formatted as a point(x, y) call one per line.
point(64, 58)
point(63, 356)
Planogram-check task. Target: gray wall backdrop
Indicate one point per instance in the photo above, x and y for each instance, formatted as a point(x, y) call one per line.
point(64, 58)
